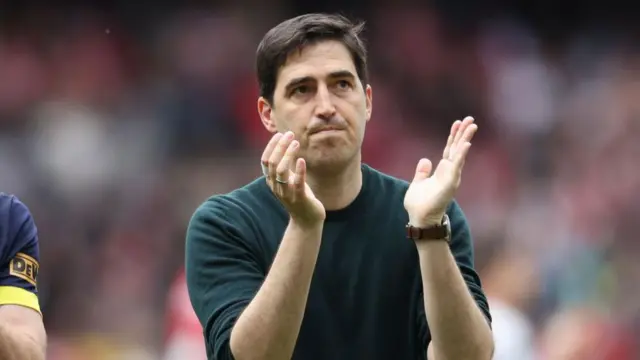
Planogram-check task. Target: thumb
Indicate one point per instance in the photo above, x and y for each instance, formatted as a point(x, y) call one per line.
point(423, 170)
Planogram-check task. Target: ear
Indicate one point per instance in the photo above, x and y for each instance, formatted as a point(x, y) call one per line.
point(266, 115)
point(368, 92)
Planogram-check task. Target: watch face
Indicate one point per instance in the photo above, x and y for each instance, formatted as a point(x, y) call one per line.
point(448, 225)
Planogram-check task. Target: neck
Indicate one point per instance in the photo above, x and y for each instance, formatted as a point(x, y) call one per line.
point(336, 190)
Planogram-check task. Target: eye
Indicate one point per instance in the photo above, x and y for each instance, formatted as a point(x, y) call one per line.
point(343, 85)
point(300, 90)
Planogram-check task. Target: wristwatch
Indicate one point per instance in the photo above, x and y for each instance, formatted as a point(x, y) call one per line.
point(436, 232)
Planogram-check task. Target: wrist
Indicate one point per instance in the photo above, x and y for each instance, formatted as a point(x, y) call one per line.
point(425, 222)
point(432, 247)
point(306, 226)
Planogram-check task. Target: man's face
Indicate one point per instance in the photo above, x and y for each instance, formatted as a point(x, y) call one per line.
point(319, 97)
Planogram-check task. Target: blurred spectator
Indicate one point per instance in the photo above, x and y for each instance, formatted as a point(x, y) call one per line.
point(512, 286)
point(183, 339)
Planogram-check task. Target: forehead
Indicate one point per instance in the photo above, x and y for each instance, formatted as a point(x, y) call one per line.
point(317, 60)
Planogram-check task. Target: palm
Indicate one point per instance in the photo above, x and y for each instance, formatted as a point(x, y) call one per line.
point(317, 205)
point(441, 185)
point(307, 204)
point(429, 194)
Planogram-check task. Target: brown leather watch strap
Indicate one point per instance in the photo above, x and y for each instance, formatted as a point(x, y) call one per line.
point(437, 232)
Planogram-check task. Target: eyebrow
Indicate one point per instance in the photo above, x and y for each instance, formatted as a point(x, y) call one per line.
point(305, 79)
point(342, 74)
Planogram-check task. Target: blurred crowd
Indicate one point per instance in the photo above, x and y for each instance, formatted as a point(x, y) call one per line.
point(114, 127)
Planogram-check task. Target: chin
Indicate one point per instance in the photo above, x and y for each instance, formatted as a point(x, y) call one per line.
point(329, 159)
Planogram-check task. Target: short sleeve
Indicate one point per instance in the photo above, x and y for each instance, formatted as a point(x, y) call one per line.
point(222, 271)
point(462, 250)
point(19, 271)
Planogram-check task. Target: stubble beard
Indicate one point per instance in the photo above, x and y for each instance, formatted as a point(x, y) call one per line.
point(329, 159)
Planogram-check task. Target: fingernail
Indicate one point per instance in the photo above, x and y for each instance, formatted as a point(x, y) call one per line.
point(295, 144)
point(289, 134)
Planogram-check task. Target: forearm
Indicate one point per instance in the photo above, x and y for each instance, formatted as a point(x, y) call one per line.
point(268, 328)
point(458, 327)
point(15, 345)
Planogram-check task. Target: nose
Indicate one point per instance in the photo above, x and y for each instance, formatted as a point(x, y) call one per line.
point(324, 105)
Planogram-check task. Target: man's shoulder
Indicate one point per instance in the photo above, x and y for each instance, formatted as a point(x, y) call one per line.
point(20, 253)
point(18, 229)
point(12, 210)
point(242, 207)
point(253, 194)
point(230, 221)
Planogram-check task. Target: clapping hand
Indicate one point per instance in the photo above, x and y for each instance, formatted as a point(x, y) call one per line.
point(290, 186)
point(429, 195)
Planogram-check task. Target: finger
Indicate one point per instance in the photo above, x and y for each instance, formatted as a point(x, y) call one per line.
point(457, 142)
point(266, 154)
point(423, 170)
point(284, 168)
point(452, 134)
point(300, 174)
point(469, 133)
point(278, 152)
point(463, 127)
point(461, 155)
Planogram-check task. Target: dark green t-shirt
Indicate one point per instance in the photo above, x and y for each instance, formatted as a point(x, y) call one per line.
point(365, 300)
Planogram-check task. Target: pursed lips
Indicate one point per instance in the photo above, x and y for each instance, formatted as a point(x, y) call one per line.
point(325, 129)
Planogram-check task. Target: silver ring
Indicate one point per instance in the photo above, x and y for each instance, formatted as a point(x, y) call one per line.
point(265, 169)
point(278, 180)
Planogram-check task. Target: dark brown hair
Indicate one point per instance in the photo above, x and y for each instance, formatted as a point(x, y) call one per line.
point(296, 33)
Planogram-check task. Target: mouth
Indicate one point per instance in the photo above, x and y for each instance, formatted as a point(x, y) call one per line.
point(328, 129)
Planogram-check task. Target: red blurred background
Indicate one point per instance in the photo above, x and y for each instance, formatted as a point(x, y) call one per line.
point(117, 120)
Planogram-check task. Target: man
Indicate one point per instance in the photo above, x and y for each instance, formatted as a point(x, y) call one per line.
point(325, 257)
point(22, 333)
